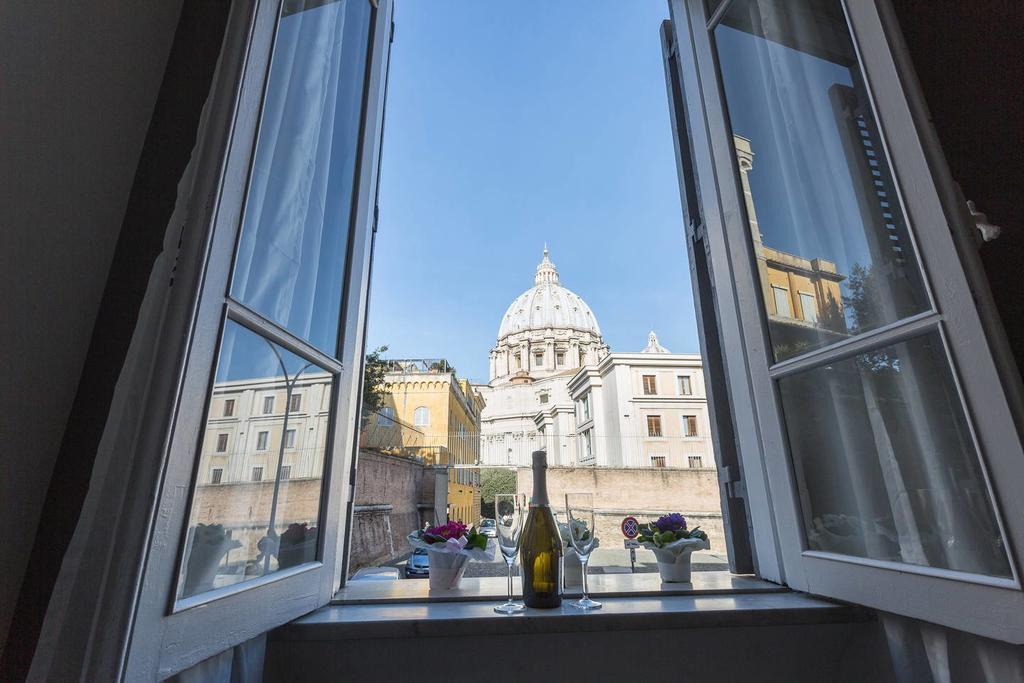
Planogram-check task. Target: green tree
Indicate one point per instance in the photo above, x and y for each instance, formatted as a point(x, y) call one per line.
point(493, 482)
point(374, 386)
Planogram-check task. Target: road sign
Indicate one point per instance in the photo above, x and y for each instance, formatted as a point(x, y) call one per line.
point(630, 543)
point(630, 527)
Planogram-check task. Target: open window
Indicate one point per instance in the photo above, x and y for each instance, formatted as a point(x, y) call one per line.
point(870, 395)
point(254, 489)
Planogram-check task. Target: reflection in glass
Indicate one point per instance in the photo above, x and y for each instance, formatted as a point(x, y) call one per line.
point(292, 251)
point(885, 463)
point(257, 492)
point(830, 239)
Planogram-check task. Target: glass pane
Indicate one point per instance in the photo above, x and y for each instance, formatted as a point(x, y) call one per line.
point(294, 242)
point(824, 217)
point(257, 493)
point(885, 463)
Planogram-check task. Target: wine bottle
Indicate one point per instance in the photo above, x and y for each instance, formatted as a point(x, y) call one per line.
point(540, 548)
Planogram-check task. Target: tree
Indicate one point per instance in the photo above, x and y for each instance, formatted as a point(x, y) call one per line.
point(492, 483)
point(374, 386)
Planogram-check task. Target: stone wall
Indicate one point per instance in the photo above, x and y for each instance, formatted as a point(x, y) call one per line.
point(644, 493)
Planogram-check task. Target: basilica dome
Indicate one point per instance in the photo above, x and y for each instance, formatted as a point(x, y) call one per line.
point(548, 305)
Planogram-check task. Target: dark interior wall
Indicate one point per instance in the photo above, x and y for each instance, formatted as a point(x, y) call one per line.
point(969, 58)
point(79, 82)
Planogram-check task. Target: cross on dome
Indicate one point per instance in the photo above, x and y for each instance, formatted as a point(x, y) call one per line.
point(546, 271)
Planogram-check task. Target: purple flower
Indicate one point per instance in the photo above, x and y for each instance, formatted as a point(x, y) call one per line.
point(673, 522)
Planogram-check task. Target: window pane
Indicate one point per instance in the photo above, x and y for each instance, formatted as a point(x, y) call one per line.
point(257, 520)
point(293, 247)
point(820, 197)
point(885, 463)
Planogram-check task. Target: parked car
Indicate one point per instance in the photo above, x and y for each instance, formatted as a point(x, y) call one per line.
point(377, 574)
point(418, 564)
point(488, 527)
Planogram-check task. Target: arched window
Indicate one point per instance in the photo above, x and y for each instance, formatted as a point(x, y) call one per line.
point(421, 417)
point(386, 417)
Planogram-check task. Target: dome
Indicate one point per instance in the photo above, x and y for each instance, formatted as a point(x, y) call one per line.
point(548, 305)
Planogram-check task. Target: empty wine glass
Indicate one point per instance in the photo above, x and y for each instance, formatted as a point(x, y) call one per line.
point(508, 517)
point(579, 511)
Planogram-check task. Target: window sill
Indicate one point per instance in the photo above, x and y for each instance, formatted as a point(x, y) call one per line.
point(648, 584)
point(475, 617)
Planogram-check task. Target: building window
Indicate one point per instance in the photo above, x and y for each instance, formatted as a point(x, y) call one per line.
point(286, 472)
point(268, 405)
point(695, 462)
point(421, 416)
point(654, 425)
point(543, 398)
point(229, 407)
point(650, 385)
point(295, 403)
point(689, 425)
point(289, 438)
point(216, 475)
point(585, 407)
point(257, 473)
point(261, 441)
point(657, 461)
point(782, 302)
point(587, 445)
point(538, 359)
point(809, 307)
point(222, 443)
point(386, 417)
point(519, 362)
point(685, 386)
point(560, 358)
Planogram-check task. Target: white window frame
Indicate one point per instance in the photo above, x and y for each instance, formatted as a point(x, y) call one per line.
point(684, 426)
point(781, 295)
point(256, 470)
point(804, 298)
point(262, 440)
point(989, 386)
point(295, 402)
point(684, 385)
point(228, 409)
point(662, 458)
point(654, 385)
point(421, 416)
point(290, 435)
point(269, 404)
point(164, 636)
point(386, 417)
point(661, 426)
point(214, 472)
point(222, 437)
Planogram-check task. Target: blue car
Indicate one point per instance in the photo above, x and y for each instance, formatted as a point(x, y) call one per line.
point(418, 564)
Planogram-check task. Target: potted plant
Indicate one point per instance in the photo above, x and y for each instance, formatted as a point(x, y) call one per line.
point(297, 546)
point(672, 544)
point(210, 543)
point(450, 547)
point(572, 568)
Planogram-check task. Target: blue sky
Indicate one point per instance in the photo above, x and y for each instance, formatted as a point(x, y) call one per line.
point(514, 123)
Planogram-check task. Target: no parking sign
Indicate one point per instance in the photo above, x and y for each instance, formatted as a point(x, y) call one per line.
point(630, 527)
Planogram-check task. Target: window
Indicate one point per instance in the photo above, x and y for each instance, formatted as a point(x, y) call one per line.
point(386, 417)
point(229, 407)
point(587, 445)
point(695, 462)
point(222, 443)
point(544, 398)
point(295, 403)
point(560, 358)
point(289, 438)
point(286, 472)
point(268, 405)
point(519, 361)
point(261, 440)
point(585, 407)
point(689, 425)
point(421, 416)
point(654, 425)
point(657, 461)
point(782, 308)
point(538, 359)
point(685, 385)
point(650, 385)
point(257, 473)
point(809, 307)
point(216, 475)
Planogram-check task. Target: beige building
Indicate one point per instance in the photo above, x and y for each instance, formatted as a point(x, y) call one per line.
point(429, 412)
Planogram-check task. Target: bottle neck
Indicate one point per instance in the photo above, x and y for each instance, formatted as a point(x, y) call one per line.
point(540, 487)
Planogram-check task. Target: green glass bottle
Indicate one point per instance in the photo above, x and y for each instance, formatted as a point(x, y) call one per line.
point(540, 548)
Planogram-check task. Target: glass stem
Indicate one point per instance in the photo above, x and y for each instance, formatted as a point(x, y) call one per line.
point(509, 580)
point(583, 564)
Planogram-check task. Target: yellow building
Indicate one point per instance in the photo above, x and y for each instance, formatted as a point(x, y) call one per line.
point(802, 296)
point(430, 412)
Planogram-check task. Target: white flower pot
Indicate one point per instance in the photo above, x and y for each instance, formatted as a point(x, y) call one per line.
point(572, 569)
point(446, 570)
point(674, 565)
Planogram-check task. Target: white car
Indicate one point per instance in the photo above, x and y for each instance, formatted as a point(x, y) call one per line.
point(377, 574)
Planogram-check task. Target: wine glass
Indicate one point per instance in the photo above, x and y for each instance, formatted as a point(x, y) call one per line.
point(508, 518)
point(579, 510)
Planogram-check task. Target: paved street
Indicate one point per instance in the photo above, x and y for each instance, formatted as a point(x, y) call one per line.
point(603, 561)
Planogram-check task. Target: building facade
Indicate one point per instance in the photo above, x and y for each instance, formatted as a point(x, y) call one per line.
point(646, 409)
point(430, 412)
